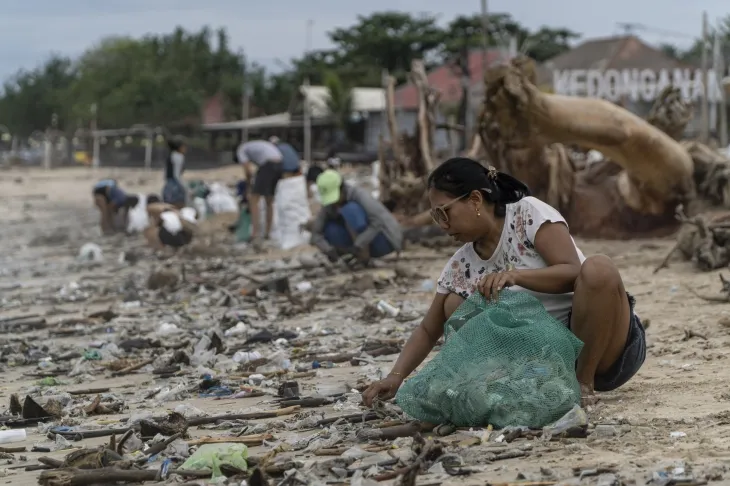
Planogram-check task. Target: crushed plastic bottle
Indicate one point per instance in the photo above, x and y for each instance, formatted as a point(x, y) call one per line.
point(12, 435)
point(576, 417)
point(324, 364)
point(90, 252)
point(246, 356)
point(239, 329)
point(304, 286)
point(167, 329)
point(388, 309)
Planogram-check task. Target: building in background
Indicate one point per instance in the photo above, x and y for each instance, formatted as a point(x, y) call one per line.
point(362, 128)
point(629, 72)
point(447, 80)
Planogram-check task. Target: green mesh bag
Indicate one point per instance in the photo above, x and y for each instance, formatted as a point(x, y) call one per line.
point(508, 363)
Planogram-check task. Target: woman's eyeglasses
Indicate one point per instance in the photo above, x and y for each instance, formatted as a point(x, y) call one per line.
point(439, 213)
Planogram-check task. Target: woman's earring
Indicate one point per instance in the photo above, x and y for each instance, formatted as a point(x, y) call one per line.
point(478, 213)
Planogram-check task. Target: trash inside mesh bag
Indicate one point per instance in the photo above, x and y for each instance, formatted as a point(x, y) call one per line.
point(508, 363)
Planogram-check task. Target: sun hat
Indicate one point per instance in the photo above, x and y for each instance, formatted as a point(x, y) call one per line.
point(329, 185)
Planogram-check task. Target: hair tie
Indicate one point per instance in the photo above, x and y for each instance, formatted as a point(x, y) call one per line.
point(492, 172)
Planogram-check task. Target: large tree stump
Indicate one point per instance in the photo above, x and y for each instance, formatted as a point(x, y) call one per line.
point(670, 112)
point(525, 131)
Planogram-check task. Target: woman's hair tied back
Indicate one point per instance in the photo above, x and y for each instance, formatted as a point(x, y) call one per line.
point(460, 176)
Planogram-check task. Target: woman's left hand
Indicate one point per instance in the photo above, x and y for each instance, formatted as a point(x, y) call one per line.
point(492, 284)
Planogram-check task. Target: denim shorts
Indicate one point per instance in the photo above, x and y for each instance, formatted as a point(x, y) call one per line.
point(630, 361)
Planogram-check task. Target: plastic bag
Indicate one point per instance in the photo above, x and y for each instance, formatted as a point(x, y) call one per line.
point(291, 206)
point(213, 456)
point(243, 226)
point(508, 363)
point(220, 200)
point(137, 217)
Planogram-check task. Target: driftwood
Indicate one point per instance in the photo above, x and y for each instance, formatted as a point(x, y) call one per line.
point(538, 137)
point(670, 113)
point(392, 123)
point(402, 178)
point(426, 100)
point(527, 133)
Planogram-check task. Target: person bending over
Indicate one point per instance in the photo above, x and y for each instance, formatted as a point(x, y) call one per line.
point(290, 161)
point(112, 203)
point(512, 240)
point(262, 169)
point(352, 222)
point(169, 226)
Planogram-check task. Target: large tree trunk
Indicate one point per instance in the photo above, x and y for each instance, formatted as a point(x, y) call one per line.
point(525, 132)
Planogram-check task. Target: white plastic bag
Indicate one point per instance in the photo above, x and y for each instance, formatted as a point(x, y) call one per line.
point(220, 200)
point(375, 179)
point(171, 222)
point(137, 218)
point(291, 210)
point(188, 214)
point(201, 207)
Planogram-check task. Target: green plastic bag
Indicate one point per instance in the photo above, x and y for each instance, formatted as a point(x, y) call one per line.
point(243, 226)
point(213, 456)
point(508, 363)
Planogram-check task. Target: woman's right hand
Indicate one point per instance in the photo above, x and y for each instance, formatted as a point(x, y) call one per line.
point(384, 389)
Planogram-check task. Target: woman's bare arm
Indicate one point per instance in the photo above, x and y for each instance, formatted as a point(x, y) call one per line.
point(423, 339)
point(556, 247)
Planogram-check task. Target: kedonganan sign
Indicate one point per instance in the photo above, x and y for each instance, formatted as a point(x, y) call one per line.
point(636, 84)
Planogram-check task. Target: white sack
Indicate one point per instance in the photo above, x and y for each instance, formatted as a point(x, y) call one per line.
point(138, 220)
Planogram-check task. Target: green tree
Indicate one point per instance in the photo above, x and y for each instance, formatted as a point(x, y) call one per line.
point(671, 50)
point(547, 43)
point(158, 80)
point(339, 101)
point(30, 99)
point(387, 40)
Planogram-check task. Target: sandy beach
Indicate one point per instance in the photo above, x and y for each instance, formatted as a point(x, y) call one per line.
point(676, 409)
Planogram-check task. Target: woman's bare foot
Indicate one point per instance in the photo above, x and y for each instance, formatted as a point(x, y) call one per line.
point(587, 395)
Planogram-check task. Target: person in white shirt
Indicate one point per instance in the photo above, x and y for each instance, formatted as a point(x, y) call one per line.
point(514, 240)
point(262, 169)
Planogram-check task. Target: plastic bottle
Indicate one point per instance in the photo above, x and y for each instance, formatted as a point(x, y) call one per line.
point(388, 309)
point(246, 356)
point(12, 435)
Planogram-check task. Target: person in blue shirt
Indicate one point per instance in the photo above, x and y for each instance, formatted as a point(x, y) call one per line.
point(112, 201)
point(290, 160)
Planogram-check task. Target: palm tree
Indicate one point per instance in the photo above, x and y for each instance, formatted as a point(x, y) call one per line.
point(339, 102)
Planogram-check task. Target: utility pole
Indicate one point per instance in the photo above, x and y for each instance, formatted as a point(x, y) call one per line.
point(307, 114)
point(94, 137)
point(245, 111)
point(718, 67)
point(485, 36)
point(705, 81)
point(245, 102)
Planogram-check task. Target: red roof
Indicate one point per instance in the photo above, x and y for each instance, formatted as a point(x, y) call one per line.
point(214, 110)
point(447, 80)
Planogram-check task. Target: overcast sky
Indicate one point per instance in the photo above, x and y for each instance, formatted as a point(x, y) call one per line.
point(276, 29)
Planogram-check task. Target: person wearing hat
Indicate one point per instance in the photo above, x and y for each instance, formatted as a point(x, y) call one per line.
point(174, 191)
point(352, 223)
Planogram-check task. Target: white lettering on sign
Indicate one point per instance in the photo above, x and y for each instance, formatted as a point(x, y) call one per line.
point(635, 84)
